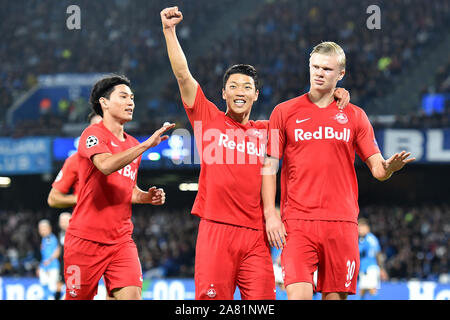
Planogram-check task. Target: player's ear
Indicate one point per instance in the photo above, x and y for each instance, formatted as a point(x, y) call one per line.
point(256, 96)
point(103, 102)
point(223, 94)
point(341, 74)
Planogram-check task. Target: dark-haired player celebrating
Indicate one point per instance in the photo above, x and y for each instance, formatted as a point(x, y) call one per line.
point(98, 241)
point(231, 249)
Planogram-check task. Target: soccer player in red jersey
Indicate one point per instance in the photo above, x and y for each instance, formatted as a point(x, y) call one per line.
point(59, 197)
point(232, 249)
point(98, 241)
point(319, 191)
point(67, 178)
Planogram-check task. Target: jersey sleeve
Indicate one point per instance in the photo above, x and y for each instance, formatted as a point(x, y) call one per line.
point(366, 144)
point(92, 142)
point(276, 134)
point(202, 110)
point(68, 175)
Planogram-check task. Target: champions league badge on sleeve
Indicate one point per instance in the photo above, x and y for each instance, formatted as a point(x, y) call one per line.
point(91, 141)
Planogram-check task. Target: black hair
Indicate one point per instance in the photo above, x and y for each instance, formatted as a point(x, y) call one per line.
point(246, 69)
point(104, 88)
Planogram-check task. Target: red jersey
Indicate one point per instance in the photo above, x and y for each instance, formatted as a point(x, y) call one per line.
point(68, 175)
point(318, 145)
point(232, 156)
point(103, 210)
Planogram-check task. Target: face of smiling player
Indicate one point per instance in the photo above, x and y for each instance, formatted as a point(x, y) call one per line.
point(240, 93)
point(120, 104)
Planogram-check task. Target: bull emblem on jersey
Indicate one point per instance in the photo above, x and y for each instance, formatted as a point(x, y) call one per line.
point(341, 118)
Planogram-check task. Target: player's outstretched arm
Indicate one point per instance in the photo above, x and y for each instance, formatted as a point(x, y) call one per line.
point(276, 233)
point(170, 17)
point(154, 196)
point(383, 169)
point(108, 163)
point(59, 200)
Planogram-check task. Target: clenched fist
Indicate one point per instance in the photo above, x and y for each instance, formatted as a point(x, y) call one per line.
point(170, 17)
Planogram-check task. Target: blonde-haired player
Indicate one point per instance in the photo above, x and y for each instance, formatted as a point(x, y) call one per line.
point(319, 191)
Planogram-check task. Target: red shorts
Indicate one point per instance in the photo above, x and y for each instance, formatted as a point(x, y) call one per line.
point(85, 262)
point(329, 246)
point(228, 256)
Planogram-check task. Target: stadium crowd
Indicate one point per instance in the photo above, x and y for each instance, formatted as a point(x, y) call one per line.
point(437, 117)
point(414, 240)
point(126, 40)
point(165, 241)
point(283, 31)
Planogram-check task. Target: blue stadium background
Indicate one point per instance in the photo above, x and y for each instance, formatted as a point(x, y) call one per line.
point(399, 74)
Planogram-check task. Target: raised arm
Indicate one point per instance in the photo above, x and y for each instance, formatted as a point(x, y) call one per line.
point(170, 17)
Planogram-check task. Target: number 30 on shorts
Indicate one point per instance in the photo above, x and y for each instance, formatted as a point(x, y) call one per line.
point(350, 269)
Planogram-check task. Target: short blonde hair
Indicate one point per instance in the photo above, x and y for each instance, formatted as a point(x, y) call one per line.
point(330, 48)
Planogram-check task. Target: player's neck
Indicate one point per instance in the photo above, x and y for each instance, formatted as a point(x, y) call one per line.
point(114, 126)
point(241, 118)
point(320, 98)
